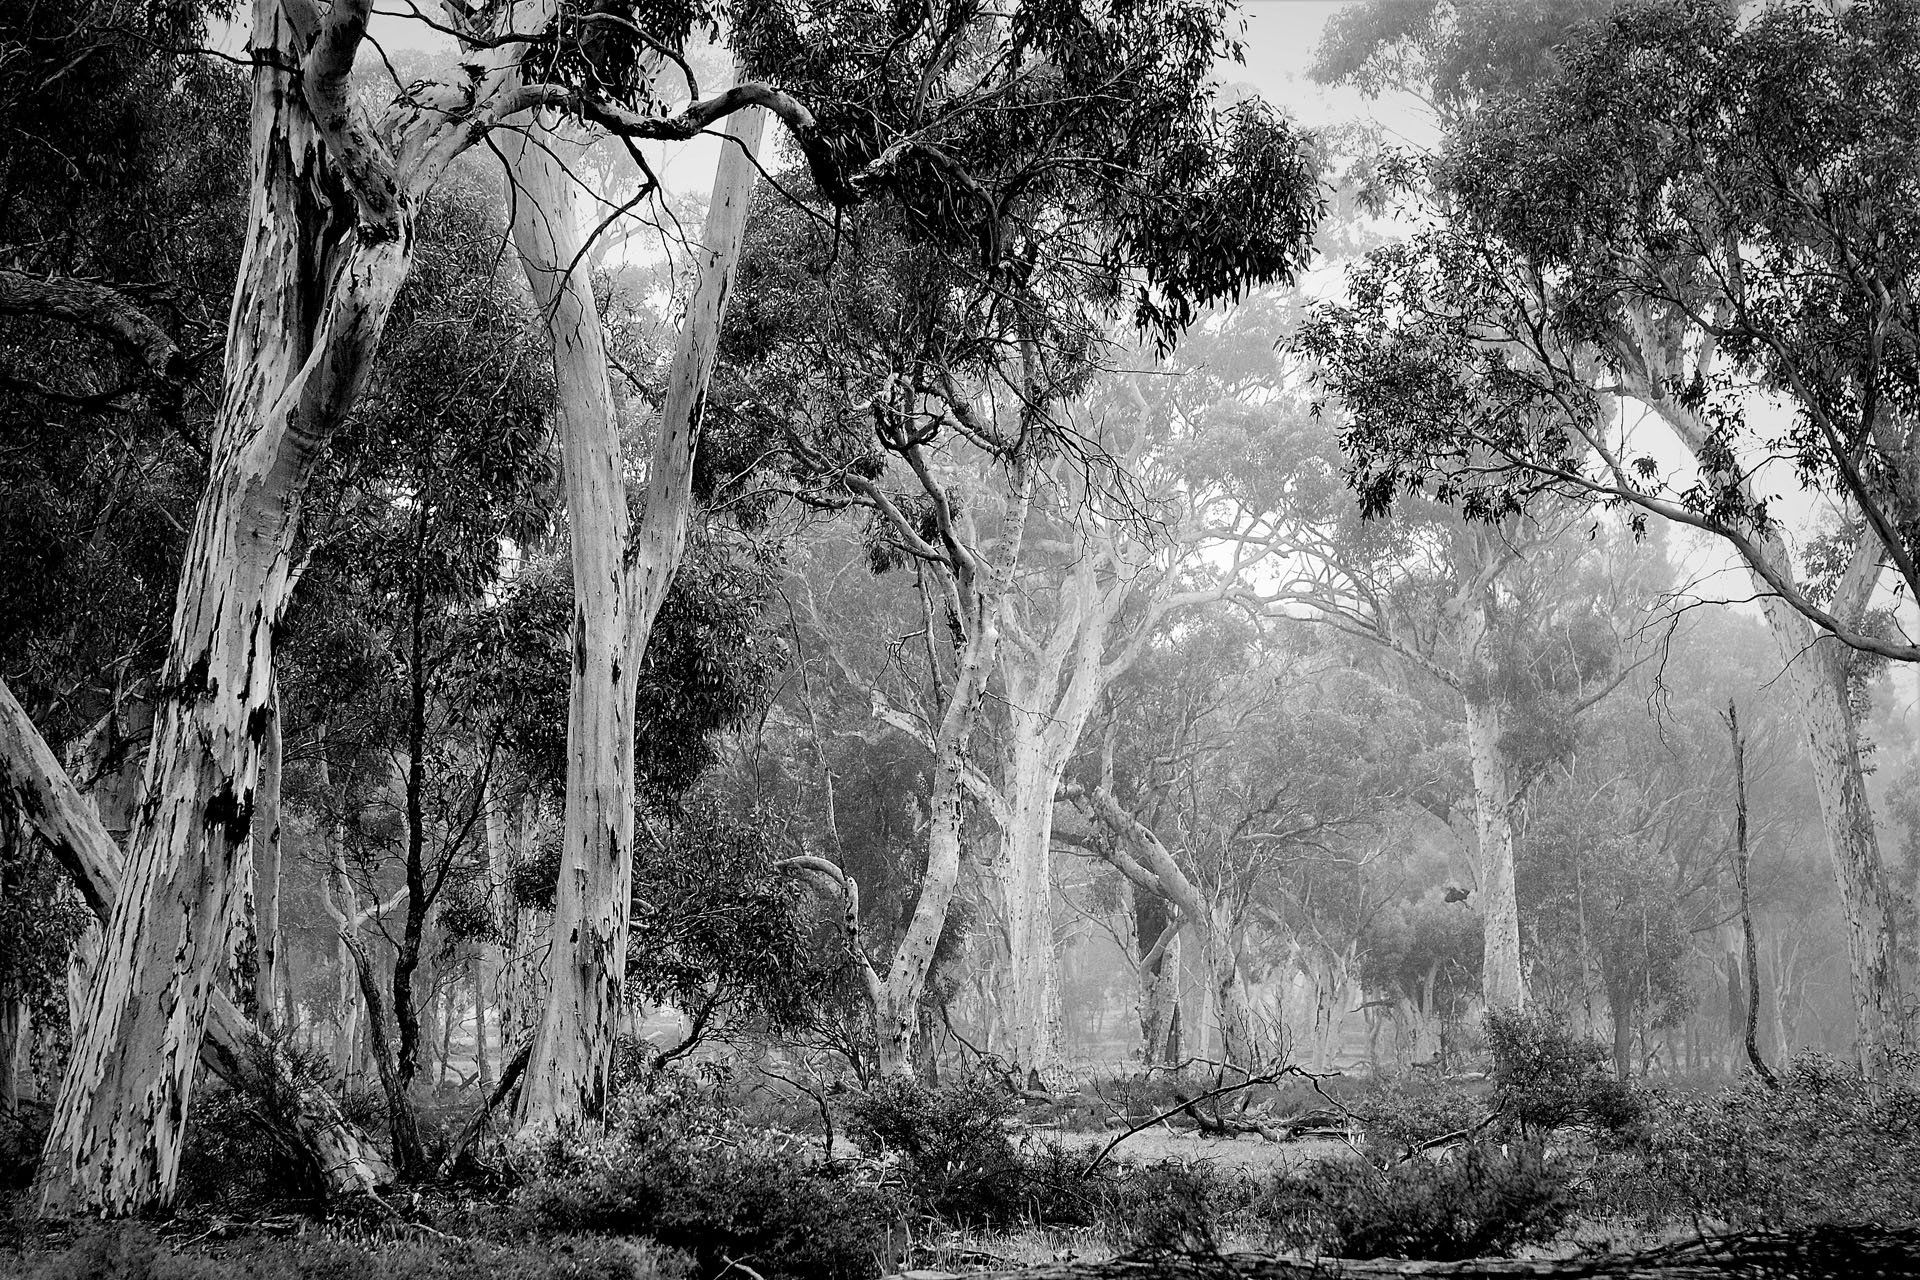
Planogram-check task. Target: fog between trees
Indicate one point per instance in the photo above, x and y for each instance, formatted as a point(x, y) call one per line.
point(1048, 570)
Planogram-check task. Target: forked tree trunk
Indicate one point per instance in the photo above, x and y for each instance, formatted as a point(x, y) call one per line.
point(1500, 976)
point(615, 600)
point(566, 1077)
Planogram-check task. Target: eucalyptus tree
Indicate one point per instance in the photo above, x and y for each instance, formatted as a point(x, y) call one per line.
point(446, 462)
point(1050, 171)
point(1231, 772)
point(336, 188)
point(1700, 215)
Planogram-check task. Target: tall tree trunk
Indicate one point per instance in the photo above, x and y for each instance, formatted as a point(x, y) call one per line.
point(1815, 668)
point(303, 327)
point(615, 601)
point(1500, 976)
point(1026, 877)
point(1816, 673)
point(566, 1077)
point(269, 983)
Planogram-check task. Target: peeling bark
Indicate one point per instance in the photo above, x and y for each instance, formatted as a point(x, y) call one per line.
point(616, 598)
point(35, 782)
point(1501, 981)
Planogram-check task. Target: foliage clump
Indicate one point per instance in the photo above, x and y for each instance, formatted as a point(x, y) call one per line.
point(952, 1142)
point(682, 1169)
point(1479, 1201)
point(1826, 1147)
point(1546, 1077)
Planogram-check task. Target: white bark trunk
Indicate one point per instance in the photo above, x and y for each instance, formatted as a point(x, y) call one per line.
point(1816, 672)
point(35, 780)
point(1026, 879)
point(615, 600)
point(293, 368)
point(1501, 980)
point(566, 1078)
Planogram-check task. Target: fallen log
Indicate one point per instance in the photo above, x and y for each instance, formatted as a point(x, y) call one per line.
point(1811, 1253)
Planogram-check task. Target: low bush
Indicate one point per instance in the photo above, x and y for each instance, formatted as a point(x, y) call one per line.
point(1547, 1077)
point(951, 1140)
point(23, 1131)
point(1175, 1206)
point(1481, 1200)
point(1402, 1114)
point(683, 1170)
point(134, 1253)
point(1824, 1148)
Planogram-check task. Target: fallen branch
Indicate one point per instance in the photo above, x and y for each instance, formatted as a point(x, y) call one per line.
point(1186, 1106)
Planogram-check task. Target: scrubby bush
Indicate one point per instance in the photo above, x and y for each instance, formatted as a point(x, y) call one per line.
point(242, 1142)
point(1482, 1200)
point(682, 1169)
point(1546, 1077)
point(134, 1253)
point(23, 1131)
point(1176, 1206)
point(1823, 1148)
point(952, 1142)
point(1402, 1114)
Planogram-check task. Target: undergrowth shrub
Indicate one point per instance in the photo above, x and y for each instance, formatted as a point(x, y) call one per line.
point(951, 1139)
point(682, 1169)
point(1174, 1206)
point(243, 1144)
point(134, 1253)
point(1482, 1200)
point(1402, 1114)
point(1545, 1076)
point(1822, 1149)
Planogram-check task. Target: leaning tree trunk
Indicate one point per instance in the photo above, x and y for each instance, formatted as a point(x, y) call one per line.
point(1815, 667)
point(1500, 976)
point(32, 779)
point(303, 326)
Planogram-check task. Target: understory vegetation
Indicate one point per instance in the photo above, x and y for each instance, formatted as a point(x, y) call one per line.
point(696, 1177)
